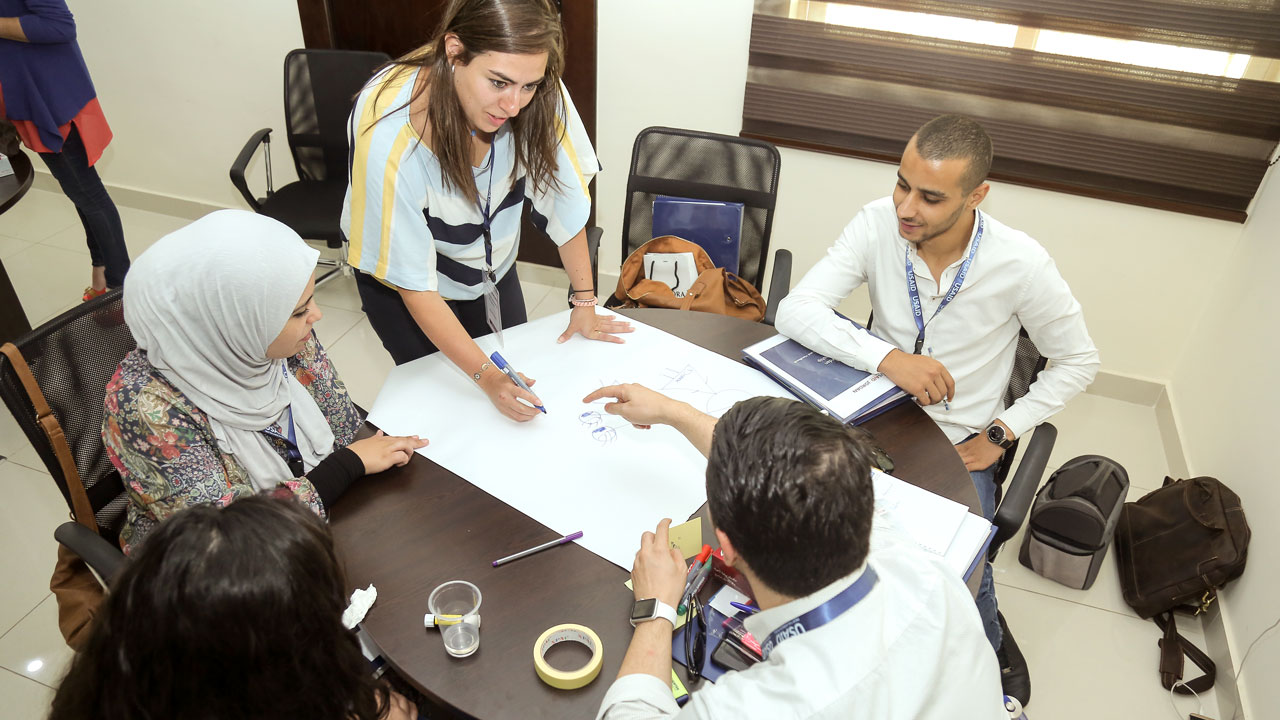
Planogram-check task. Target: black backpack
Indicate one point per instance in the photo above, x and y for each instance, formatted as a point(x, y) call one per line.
point(1073, 519)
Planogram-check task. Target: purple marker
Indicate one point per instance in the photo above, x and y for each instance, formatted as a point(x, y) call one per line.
point(540, 548)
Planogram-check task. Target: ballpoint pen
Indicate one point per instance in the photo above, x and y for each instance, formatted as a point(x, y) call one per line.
point(946, 405)
point(505, 367)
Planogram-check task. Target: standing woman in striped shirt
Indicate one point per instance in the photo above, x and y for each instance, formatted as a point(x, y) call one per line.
point(447, 144)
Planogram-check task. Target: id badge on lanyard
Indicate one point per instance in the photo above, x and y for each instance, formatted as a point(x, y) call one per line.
point(489, 287)
point(295, 455)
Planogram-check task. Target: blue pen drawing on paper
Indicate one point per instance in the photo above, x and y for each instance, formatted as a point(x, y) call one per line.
point(691, 385)
point(602, 426)
point(686, 383)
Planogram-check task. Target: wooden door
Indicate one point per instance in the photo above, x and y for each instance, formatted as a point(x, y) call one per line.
point(398, 26)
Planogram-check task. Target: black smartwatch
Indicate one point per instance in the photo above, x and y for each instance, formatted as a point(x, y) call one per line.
point(997, 436)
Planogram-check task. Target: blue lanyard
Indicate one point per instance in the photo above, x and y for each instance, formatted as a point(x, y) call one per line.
point(914, 294)
point(292, 439)
point(486, 220)
point(824, 613)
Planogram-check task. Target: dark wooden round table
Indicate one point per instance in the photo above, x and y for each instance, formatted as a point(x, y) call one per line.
point(409, 529)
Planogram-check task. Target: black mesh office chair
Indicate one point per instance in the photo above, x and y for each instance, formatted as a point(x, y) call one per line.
point(72, 357)
point(319, 88)
point(708, 166)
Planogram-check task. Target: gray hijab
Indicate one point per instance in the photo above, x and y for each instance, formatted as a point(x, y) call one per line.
point(204, 303)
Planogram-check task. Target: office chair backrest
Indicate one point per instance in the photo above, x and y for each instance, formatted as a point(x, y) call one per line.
point(72, 357)
point(705, 166)
point(319, 90)
point(1027, 364)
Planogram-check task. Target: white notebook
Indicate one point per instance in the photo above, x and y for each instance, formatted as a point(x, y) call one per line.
point(941, 526)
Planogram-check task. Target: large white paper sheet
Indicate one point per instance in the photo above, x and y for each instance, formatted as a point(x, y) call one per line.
point(577, 467)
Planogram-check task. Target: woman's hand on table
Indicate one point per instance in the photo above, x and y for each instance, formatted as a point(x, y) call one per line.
point(507, 396)
point(585, 322)
point(381, 451)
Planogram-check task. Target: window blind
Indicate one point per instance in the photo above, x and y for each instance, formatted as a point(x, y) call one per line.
point(1167, 138)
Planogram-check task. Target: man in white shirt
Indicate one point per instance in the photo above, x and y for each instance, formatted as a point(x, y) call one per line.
point(950, 287)
point(890, 635)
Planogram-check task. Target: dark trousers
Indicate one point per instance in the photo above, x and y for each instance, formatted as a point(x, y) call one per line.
point(400, 333)
point(102, 229)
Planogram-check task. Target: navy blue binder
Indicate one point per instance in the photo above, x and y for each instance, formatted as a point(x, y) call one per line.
point(715, 226)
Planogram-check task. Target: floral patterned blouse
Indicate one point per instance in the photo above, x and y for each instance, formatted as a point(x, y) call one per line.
point(168, 457)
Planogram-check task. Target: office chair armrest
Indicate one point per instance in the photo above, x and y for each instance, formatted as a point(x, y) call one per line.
point(101, 556)
point(1021, 490)
point(242, 163)
point(779, 284)
point(594, 235)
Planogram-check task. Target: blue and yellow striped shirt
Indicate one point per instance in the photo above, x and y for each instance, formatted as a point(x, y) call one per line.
point(405, 229)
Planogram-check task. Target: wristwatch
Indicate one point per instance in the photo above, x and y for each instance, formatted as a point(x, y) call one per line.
point(997, 436)
point(650, 609)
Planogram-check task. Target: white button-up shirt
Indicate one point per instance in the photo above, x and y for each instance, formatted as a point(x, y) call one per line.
point(913, 648)
point(1012, 282)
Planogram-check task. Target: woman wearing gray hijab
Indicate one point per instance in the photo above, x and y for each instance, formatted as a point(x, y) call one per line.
point(229, 392)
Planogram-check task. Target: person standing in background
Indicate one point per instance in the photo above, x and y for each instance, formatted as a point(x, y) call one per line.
point(46, 92)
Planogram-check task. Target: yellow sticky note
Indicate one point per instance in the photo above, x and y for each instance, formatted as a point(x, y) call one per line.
point(677, 687)
point(687, 537)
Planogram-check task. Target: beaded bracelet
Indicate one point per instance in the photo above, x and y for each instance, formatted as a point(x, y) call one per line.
point(574, 302)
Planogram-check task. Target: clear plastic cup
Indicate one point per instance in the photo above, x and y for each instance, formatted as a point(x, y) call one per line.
point(458, 597)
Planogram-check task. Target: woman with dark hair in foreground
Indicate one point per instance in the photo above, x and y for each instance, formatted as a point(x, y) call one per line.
point(227, 613)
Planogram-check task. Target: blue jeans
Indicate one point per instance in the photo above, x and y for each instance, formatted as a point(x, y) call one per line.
point(102, 229)
point(984, 481)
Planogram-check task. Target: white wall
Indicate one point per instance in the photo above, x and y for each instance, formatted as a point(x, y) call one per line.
point(1223, 397)
point(183, 85)
point(1133, 269)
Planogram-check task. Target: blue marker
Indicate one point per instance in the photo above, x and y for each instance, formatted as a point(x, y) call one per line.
point(515, 376)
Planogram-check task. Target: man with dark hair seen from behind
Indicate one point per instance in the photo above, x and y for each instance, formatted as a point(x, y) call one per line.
point(790, 495)
point(950, 287)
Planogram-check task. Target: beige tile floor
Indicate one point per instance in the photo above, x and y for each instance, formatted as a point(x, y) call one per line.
point(1089, 655)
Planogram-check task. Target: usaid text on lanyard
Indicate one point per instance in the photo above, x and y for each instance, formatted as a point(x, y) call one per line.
point(824, 613)
point(492, 305)
point(914, 294)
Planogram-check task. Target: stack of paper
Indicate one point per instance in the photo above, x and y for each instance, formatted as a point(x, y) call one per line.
point(941, 526)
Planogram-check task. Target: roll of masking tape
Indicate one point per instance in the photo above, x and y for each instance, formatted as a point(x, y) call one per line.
point(568, 679)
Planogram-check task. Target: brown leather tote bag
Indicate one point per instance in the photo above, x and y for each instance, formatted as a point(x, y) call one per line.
point(715, 290)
